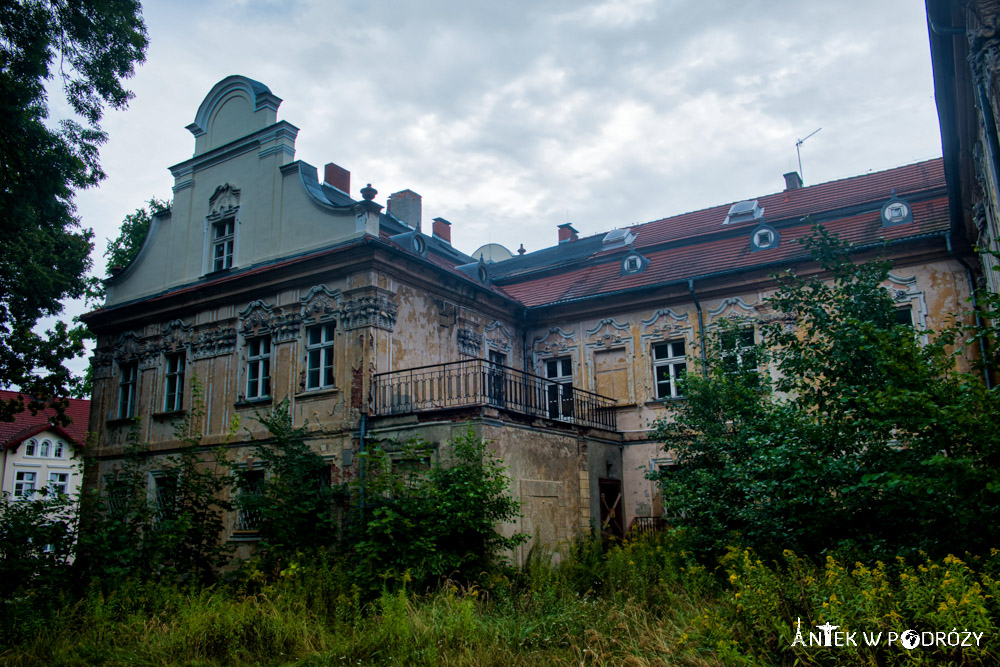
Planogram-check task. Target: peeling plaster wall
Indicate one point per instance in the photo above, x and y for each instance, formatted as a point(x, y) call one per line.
point(612, 353)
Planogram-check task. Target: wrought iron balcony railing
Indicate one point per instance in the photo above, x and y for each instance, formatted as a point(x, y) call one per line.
point(478, 382)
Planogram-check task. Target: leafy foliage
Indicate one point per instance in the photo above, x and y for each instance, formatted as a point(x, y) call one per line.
point(135, 227)
point(432, 521)
point(166, 521)
point(863, 435)
point(46, 252)
point(37, 535)
point(295, 503)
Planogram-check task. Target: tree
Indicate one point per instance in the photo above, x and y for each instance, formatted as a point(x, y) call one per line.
point(122, 250)
point(289, 491)
point(431, 521)
point(162, 520)
point(97, 44)
point(861, 435)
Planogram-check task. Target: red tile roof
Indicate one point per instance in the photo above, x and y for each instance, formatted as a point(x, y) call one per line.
point(26, 425)
point(810, 200)
point(697, 244)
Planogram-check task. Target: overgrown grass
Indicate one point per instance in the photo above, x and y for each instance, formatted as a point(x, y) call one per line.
point(641, 603)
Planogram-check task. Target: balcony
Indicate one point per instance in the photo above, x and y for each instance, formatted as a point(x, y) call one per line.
point(477, 382)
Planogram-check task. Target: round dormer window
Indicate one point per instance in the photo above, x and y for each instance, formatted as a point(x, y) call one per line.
point(419, 245)
point(896, 212)
point(764, 237)
point(483, 275)
point(634, 263)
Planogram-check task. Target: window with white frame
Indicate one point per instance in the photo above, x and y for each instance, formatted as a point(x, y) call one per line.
point(559, 390)
point(31, 448)
point(259, 367)
point(24, 484)
point(739, 349)
point(669, 368)
point(174, 383)
point(223, 243)
point(128, 382)
point(319, 356)
point(58, 449)
point(58, 482)
point(45, 448)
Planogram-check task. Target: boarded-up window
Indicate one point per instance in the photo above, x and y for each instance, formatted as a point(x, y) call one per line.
point(611, 370)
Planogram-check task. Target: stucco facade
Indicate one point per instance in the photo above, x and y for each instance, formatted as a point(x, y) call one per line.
point(268, 283)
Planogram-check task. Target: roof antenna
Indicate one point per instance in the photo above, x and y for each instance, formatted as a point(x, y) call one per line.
point(798, 151)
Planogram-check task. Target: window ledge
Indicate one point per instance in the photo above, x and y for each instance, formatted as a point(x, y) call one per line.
point(248, 402)
point(666, 401)
point(318, 393)
point(122, 421)
point(245, 536)
point(170, 414)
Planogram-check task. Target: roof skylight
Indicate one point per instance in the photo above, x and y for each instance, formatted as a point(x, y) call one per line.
point(744, 211)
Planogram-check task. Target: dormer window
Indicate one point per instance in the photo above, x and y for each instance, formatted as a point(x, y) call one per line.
point(223, 242)
point(764, 237)
point(634, 263)
point(896, 212)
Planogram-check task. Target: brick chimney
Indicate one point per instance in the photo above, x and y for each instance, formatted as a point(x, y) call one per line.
point(567, 234)
point(405, 205)
point(338, 177)
point(793, 181)
point(442, 230)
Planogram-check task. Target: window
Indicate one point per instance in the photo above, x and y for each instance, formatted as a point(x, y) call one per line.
point(127, 390)
point(58, 481)
point(24, 484)
point(739, 351)
point(58, 449)
point(259, 368)
point(223, 240)
point(669, 369)
point(174, 390)
point(496, 377)
point(45, 448)
point(251, 490)
point(319, 356)
point(162, 494)
point(904, 316)
point(30, 448)
point(559, 391)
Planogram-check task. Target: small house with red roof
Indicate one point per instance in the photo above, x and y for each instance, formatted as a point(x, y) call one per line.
point(37, 452)
point(267, 282)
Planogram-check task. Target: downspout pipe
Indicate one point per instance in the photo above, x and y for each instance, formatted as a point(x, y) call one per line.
point(701, 328)
point(361, 466)
point(975, 305)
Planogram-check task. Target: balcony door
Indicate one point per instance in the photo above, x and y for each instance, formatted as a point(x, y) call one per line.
point(559, 389)
point(496, 378)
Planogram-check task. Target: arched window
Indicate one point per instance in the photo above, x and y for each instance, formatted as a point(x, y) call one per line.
point(45, 448)
point(59, 449)
point(30, 448)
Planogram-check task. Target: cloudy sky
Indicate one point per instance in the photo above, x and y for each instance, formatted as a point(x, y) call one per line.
point(512, 117)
